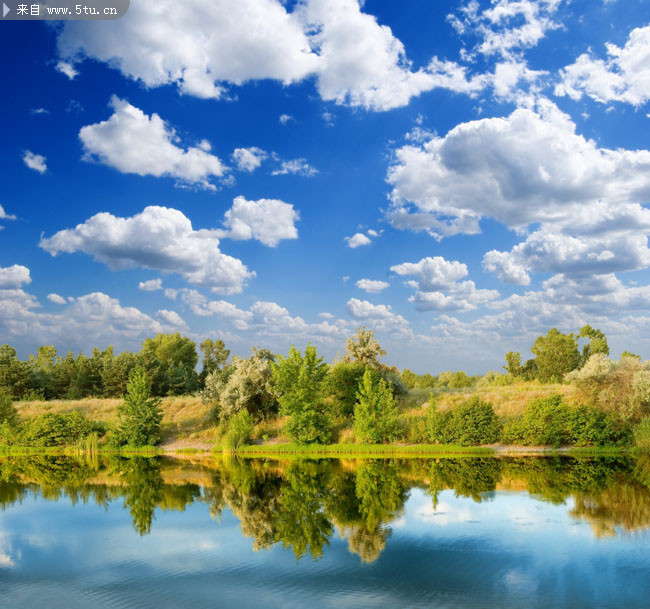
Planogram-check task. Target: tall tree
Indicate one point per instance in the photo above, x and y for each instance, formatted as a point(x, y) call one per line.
point(513, 363)
point(364, 348)
point(139, 415)
point(556, 354)
point(375, 414)
point(597, 343)
point(298, 381)
point(163, 356)
point(215, 356)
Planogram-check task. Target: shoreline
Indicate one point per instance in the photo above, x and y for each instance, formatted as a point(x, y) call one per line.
point(334, 451)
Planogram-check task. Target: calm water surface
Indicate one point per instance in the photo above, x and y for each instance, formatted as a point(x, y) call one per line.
point(461, 533)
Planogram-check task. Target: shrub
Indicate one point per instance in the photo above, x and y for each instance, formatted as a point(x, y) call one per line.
point(57, 429)
point(642, 434)
point(375, 414)
point(436, 423)
point(240, 429)
point(551, 422)
point(473, 423)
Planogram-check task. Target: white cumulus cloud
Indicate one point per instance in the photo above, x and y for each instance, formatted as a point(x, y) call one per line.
point(158, 238)
point(248, 159)
point(150, 285)
point(134, 142)
point(373, 286)
point(34, 161)
point(13, 277)
point(624, 76)
point(267, 220)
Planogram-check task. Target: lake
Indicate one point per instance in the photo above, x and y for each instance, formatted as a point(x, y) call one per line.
point(480, 532)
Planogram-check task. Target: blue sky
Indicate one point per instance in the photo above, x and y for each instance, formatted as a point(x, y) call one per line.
point(459, 176)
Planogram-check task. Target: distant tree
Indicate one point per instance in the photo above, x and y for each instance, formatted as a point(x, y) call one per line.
point(139, 415)
point(556, 354)
point(424, 381)
point(513, 364)
point(409, 378)
point(170, 361)
point(341, 384)
point(8, 413)
point(459, 380)
point(215, 356)
point(364, 348)
point(597, 343)
point(375, 414)
point(298, 381)
point(530, 371)
point(14, 374)
point(630, 354)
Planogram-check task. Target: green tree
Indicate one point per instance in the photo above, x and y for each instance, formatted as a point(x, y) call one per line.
point(14, 374)
point(597, 343)
point(409, 378)
point(375, 414)
point(298, 381)
point(630, 354)
point(513, 364)
point(341, 384)
point(139, 415)
point(170, 361)
point(556, 354)
point(244, 384)
point(215, 356)
point(364, 348)
point(8, 412)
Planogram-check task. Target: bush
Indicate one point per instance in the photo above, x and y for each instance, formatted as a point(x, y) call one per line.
point(642, 434)
point(57, 429)
point(551, 422)
point(473, 423)
point(240, 429)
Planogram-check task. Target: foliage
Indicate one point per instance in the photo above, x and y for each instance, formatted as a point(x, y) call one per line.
point(139, 415)
point(513, 364)
point(244, 385)
point(341, 384)
point(556, 354)
point(454, 380)
point(375, 414)
point(8, 413)
point(240, 429)
point(551, 422)
point(298, 381)
point(642, 434)
point(495, 379)
point(597, 343)
point(622, 387)
point(56, 429)
point(215, 356)
point(364, 348)
point(473, 423)
point(170, 361)
point(409, 378)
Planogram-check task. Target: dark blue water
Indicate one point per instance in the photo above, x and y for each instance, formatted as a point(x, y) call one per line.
point(470, 533)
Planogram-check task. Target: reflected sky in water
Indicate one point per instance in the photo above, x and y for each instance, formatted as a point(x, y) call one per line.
point(465, 533)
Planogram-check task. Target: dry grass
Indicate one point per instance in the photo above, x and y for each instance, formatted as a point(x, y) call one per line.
point(184, 417)
point(508, 400)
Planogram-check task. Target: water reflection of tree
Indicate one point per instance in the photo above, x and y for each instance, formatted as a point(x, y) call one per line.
point(299, 504)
